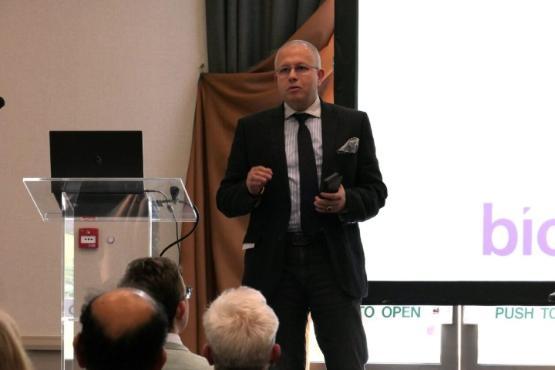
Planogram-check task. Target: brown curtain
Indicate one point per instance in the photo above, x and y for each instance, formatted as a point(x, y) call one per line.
point(212, 258)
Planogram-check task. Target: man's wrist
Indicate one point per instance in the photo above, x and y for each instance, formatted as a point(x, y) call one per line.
point(257, 195)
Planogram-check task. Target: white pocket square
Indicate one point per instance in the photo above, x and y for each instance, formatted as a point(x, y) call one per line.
point(248, 246)
point(351, 146)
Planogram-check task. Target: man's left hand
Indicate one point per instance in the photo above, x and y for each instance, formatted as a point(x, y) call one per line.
point(330, 202)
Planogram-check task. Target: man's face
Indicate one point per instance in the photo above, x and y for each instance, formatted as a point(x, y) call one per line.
point(297, 76)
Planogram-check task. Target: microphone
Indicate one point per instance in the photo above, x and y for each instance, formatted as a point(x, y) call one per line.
point(174, 191)
point(2, 102)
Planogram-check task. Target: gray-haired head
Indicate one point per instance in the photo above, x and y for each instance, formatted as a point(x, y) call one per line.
point(313, 50)
point(241, 330)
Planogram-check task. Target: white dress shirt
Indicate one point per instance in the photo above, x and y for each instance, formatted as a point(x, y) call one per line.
point(291, 127)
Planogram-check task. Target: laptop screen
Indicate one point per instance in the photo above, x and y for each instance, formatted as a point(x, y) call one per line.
point(104, 154)
point(96, 153)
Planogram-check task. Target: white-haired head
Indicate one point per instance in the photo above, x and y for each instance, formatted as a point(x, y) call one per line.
point(240, 329)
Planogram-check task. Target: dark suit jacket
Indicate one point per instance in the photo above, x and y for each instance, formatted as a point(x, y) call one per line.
point(259, 140)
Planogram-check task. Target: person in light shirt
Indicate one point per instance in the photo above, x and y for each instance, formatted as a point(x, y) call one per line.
point(161, 278)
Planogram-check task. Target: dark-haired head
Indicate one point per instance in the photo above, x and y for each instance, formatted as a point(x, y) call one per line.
point(123, 329)
point(160, 277)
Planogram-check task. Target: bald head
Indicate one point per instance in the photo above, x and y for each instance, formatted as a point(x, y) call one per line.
point(122, 310)
point(124, 329)
point(316, 61)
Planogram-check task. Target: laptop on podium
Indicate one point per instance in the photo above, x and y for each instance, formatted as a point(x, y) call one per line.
point(99, 154)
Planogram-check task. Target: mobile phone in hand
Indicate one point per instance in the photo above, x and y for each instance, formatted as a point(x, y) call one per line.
point(331, 183)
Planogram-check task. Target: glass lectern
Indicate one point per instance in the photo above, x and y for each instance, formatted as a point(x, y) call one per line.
point(107, 222)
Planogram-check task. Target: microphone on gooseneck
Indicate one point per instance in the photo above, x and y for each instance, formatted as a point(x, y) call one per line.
point(174, 192)
point(2, 102)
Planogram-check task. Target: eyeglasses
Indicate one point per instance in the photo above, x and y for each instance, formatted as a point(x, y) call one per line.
point(300, 69)
point(188, 292)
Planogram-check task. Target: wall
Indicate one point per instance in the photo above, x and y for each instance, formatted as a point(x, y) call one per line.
point(85, 65)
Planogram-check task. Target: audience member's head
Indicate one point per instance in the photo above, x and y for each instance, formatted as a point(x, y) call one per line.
point(160, 277)
point(121, 329)
point(12, 354)
point(241, 331)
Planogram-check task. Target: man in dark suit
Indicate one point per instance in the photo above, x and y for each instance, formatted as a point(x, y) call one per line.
point(302, 246)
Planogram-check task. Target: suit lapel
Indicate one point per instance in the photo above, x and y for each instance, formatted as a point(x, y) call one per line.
point(277, 135)
point(329, 135)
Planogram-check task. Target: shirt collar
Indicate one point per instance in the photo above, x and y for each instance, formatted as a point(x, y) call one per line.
point(314, 109)
point(173, 338)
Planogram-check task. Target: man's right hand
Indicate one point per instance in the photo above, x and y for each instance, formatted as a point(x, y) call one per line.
point(257, 178)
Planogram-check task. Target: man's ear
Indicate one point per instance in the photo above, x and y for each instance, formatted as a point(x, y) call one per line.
point(181, 309)
point(321, 74)
point(207, 353)
point(275, 354)
point(160, 360)
point(78, 350)
point(181, 316)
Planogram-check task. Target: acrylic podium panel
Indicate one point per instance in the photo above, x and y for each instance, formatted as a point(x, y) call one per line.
point(124, 211)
